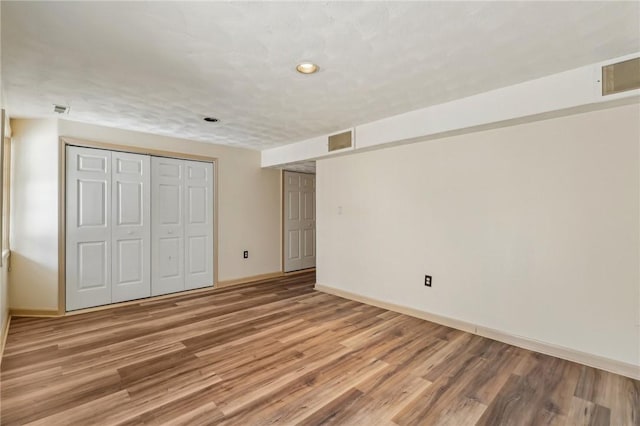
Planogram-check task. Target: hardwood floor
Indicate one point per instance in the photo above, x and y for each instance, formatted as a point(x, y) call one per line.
point(279, 352)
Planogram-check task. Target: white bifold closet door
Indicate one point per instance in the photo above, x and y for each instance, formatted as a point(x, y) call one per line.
point(198, 231)
point(131, 226)
point(182, 225)
point(88, 257)
point(167, 222)
point(108, 227)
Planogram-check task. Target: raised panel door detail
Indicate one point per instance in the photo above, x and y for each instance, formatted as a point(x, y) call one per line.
point(92, 265)
point(199, 173)
point(91, 163)
point(197, 259)
point(169, 250)
point(170, 204)
point(309, 243)
point(293, 180)
point(169, 168)
point(130, 203)
point(92, 202)
point(130, 257)
point(308, 209)
point(294, 244)
point(308, 182)
point(293, 198)
point(197, 201)
point(128, 166)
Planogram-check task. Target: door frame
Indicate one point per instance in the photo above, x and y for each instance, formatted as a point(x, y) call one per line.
point(282, 224)
point(65, 141)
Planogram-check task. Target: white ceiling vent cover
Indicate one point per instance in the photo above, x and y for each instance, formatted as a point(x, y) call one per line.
point(341, 141)
point(621, 76)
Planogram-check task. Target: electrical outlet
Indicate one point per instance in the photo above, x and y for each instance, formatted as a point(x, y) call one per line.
point(245, 254)
point(427, 280)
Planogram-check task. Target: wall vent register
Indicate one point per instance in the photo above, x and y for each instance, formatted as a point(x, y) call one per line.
point(621, 77)
point(340, 141)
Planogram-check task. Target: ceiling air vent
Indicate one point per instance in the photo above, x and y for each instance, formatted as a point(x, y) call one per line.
point(621, 77)
point(340, 141)
point(60, 109)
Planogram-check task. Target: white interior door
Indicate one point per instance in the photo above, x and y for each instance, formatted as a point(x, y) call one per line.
point(130, 226)
point(167, 225)
point(299, 221)
point(198, 216)
point(88, 255)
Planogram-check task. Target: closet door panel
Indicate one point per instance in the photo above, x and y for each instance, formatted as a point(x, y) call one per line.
point(199, 224)
point(170, 248)
point(197, 259)
point(130, 259)
point(131, 226)
point(92, 265)
point(167, 223)
point(88, 229)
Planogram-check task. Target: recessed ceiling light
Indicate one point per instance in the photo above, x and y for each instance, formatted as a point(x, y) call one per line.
point(211, 119)
point(307, 68)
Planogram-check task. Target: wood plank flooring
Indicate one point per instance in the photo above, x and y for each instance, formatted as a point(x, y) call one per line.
point(278, 351)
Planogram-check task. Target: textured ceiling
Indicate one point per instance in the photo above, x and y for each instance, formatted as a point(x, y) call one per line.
point(159, 67)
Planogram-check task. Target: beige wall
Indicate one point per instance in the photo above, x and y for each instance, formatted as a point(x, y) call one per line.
point(4, 292)
point(532, 230)
point(34, 215)
point(248, 206)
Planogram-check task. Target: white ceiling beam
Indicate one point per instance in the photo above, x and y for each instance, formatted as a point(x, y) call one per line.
point(565, 93)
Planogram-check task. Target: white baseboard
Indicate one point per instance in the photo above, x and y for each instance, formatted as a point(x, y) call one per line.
point(3, 338)
point(36, 313)
point(245, 280)
point(270, 275)
point(607, 364)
